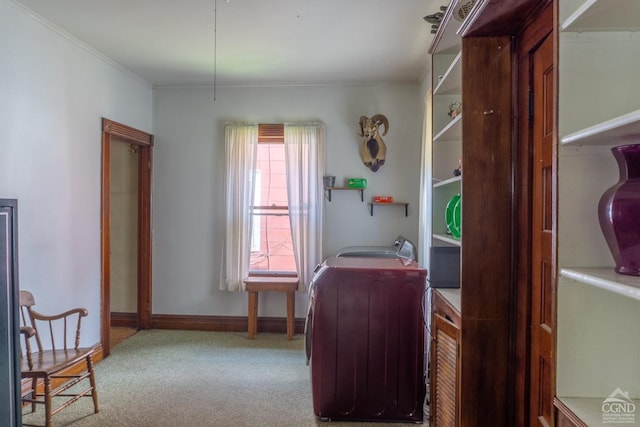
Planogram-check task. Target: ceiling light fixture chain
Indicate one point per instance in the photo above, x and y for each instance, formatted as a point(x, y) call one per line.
point(215, 46)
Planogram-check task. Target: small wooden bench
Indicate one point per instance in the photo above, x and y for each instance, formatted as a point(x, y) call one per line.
point(254, 285)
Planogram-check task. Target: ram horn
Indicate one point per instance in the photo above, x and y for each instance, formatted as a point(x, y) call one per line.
point(363, 120)
point(381, 119)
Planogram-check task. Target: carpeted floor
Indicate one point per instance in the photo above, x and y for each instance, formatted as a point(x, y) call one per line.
point(161, 378)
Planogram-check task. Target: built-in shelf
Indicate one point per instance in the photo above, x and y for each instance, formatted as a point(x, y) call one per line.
point(604, 15)
point(589, 409)
point(594, 355)
point(446, 39)
point(451, 82)
point(447, 238)
point(405, 204)
point(452, 295)
point(605, 278)
point(328, 191)
point(446, 182)
point(451, 132)
point(620, 130)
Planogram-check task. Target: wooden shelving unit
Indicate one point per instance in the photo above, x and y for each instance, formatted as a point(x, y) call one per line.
point(475, 72)
point(328, 191)
point(405, 204)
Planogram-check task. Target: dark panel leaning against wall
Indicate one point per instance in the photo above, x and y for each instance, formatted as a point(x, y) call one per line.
point(10, 413)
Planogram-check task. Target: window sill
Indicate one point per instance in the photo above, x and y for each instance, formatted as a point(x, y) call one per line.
point(273, 274)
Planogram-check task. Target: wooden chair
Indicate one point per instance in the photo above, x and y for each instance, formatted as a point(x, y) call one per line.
point(52, 370)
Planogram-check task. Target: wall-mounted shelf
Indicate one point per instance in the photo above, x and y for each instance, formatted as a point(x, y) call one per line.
point(405, 204)
point(329, 189)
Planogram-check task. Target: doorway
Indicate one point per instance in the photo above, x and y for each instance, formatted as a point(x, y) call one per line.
point(124, 239)
point(126, 228)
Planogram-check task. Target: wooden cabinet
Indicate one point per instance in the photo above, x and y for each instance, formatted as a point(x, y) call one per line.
point(445, 364)
point(598, 347)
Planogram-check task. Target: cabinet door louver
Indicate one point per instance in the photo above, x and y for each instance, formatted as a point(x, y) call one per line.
point(445, 370)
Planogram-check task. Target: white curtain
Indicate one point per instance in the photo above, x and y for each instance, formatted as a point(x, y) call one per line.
point(305, 166)
point(241, 142)
point(426, 185)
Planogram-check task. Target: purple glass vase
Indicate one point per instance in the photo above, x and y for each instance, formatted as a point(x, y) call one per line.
point(619, 211)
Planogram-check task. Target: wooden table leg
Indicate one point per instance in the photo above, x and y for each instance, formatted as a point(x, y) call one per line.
point(291, 311)
point(253, 285)
point(253, 315)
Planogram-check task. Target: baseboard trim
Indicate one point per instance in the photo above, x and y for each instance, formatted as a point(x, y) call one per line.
point(124, 320)
point(222, 323)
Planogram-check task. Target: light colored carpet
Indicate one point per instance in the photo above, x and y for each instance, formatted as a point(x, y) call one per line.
point(161, 378)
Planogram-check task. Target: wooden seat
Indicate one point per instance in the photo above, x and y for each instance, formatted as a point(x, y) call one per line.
point(52, 366)
point(255, 284)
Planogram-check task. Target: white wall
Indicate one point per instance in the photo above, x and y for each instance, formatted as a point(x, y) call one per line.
point(188, 180)
point(53, 94)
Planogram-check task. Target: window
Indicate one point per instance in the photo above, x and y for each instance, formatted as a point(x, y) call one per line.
point(302, 155)
point(271, 242)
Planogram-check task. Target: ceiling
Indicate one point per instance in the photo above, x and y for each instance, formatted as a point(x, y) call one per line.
point(252, 42)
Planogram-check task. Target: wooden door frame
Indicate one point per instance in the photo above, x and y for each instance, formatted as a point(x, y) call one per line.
point(144, 142)
point(527, 41)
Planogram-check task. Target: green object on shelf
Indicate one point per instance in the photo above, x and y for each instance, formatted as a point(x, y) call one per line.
point(457, 214)
point(357, 182)
point(452, 215)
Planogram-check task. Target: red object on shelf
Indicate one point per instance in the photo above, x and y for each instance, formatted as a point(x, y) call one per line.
point(383, 199)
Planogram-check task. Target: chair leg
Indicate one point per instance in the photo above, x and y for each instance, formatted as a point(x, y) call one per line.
point(33, 395)
point(92, 380)
point(47, 402)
